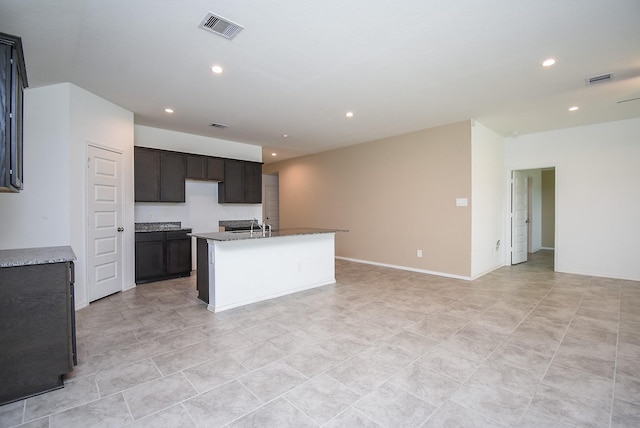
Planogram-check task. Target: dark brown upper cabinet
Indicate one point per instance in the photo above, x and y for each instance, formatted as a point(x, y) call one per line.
point(159, 175)
point(172, 175)
point(205, 168)
point(13, 80)
point(242, 183)
point(215, 169)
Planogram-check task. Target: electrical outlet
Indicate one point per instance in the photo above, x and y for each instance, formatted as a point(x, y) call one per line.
point(419, 253)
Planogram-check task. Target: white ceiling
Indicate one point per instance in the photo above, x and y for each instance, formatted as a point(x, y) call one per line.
point(299, 65)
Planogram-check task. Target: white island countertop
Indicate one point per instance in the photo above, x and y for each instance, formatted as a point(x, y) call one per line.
point(238, 235)
point(237, 268)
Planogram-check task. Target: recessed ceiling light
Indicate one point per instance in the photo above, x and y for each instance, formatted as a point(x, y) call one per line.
point(217, 69)
point(349, 114)
point(285, 135)
point(168, 110)
point(274, 154)
point(574, 108)
point(548, 62)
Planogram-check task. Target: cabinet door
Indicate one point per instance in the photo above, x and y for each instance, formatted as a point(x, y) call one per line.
point(5, 102)
point(178, 256)
point(172, 175)
point(35, 307)
point(15, 148)
point(147, 175)
point(149, 259)
point(13, 80)
point(253, 182)
point(215, 169)
point(232, 190)
point(196, 167)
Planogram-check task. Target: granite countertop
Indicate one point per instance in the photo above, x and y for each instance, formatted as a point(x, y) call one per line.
point(159, 226)
point(35, 256)
point(257, 234)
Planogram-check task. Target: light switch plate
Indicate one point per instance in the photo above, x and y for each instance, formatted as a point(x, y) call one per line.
point(462, 202)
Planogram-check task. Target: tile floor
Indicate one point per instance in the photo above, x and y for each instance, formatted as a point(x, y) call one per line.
point(522, 346)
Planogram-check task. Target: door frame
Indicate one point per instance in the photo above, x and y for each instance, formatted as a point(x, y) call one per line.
point(507, 225)
point(518, 176)
point(121, 193)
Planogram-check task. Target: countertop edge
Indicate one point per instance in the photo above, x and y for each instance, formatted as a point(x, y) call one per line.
point(245, 235)
point(36, 256)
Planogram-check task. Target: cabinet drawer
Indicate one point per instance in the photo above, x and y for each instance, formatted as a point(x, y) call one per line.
point(149, 236)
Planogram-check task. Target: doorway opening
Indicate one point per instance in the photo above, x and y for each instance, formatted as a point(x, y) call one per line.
point(271, 200)
point(533, 213)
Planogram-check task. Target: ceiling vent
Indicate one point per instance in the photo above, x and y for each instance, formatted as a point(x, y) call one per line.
point(220, 26)
point(218, 125)
point(598, 79)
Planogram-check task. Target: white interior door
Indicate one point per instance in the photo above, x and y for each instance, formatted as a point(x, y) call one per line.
point(104, 223)
point(519, 213)
point(271, 209)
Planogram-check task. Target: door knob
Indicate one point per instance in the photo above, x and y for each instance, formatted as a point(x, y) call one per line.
point(121, 229)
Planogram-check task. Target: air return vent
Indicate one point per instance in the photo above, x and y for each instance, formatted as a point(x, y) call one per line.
point(598, 79)
point(218, 125)
point(221, 26)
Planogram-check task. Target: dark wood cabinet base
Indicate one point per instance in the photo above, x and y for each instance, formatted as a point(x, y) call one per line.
point(162, 255)
point(37, 329)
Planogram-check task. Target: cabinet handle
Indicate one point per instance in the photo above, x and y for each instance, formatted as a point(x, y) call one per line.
point(121, 229)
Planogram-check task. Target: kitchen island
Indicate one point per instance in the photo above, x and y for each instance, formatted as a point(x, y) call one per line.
point(241, 267)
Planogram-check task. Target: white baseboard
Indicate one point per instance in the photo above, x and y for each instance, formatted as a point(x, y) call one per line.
point(428, 272)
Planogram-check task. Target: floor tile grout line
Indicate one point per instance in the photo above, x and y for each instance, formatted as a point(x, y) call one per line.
point(565, 333)
point(541, 382)
point(298, 409)
point(615, 364)
point(503, 341)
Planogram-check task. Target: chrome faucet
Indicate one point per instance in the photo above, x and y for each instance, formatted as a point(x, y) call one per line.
point(262, 227)
point(254, 221)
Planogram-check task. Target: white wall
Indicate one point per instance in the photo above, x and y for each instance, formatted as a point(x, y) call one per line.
point(597, 198)
point(535, 187)
point(536, 211)
point(59, 122)
point(38, 216)
point(487, 199)
point(97, 121)
point(201, 210)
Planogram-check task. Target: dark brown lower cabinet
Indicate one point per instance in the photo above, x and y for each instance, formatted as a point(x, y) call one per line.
point(178, 247)
point(37, 328)
point(162, 255)
point(202, 267)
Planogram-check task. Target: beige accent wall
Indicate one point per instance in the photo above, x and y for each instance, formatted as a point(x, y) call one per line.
point(395, 196)
point(548, 208)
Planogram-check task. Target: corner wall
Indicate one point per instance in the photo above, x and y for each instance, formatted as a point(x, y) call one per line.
point(395, 196)
point(597, 203)
point(487, 200)
point(38, 216)
point(59, 122)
